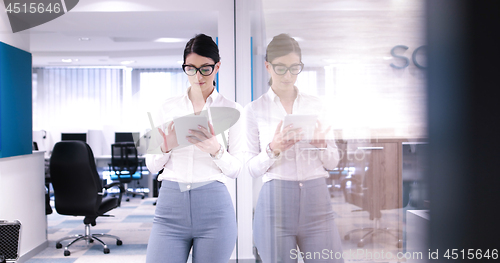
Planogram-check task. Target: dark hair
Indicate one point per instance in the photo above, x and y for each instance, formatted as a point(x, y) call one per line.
point(204, 46)
point(282, 45)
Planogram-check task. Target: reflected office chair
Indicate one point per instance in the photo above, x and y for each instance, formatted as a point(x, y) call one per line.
point(125, 164)
point(366, 191)
point(341, 171)
point(78, 190)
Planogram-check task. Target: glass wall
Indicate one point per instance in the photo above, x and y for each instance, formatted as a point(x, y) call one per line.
point(365, 61)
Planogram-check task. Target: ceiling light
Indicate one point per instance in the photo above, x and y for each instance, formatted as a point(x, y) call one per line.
point(66, 60)
point(169, 40)
point(84, 38)
point(298, 39)
point(127, 62)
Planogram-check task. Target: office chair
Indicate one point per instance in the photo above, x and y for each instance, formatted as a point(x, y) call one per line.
point(365, 189)
point(333, 180)
point(78, 190)
point(124, 164)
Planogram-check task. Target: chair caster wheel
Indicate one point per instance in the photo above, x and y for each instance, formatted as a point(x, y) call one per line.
point(361, 244)
point(400, 243)
point(67, 253)
point(91, 241)
point(347, 237)
point(58, 245)
point(119, 242)
point(142, 197)
point(106, 251)
point(133, 195)
point(128, 199)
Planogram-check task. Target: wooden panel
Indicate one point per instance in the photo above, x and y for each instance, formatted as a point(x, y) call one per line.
point(384, 166)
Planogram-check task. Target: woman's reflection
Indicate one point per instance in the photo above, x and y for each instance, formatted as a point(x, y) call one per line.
point(290, 145)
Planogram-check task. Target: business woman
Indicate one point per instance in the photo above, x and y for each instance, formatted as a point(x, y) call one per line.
point(294, 207)
point(194, 209)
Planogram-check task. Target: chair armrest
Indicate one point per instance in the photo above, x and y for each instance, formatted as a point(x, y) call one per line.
point(111, 185)
point(122, 190)
point(353, 180)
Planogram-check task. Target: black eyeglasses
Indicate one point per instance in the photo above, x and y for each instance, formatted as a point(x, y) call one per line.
point(294, 69)
point(204, 70)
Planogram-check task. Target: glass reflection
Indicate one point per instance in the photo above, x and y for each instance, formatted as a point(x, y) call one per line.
point(366, 61)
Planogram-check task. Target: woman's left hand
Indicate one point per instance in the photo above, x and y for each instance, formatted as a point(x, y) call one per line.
point(204, 140)
point(319, 136)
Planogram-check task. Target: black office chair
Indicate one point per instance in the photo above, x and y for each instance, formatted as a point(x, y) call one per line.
point(124, 164)
point(78, 190)
point(366, 189)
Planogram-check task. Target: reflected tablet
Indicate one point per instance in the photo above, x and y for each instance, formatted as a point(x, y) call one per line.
point(306, 122)
point(186, 123)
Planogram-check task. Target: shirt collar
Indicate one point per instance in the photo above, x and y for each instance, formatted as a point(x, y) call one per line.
point(211, 98)
point(272, 96)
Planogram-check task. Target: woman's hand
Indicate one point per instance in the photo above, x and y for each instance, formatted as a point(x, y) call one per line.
point(319, 136)
point(284, 139)
point(170, 139)
point(205, 140)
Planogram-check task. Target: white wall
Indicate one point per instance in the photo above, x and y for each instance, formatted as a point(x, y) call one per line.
point(22, 197)
point(20, 39)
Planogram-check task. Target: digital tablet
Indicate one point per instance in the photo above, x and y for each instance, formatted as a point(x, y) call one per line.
point(184, 124)
point(306, 122)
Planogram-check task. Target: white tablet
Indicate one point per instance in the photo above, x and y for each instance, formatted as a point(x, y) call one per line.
point(306, 122)
point(184, 124)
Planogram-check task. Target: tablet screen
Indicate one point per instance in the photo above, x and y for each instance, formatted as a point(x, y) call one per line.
point(306, 122)
point(186, 123)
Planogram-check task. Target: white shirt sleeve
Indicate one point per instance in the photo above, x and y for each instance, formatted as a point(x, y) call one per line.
point(257, 161)
point(330, 156)
point(231, 161)
point(156, 162)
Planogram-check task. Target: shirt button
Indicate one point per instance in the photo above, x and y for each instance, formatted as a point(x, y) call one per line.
point(300, 184)
point(188, 186)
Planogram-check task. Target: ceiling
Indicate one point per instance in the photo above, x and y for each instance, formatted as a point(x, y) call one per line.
point(330, 32)
point(115, 38)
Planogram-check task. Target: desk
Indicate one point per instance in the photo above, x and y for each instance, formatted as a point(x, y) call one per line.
point(22, 197)
point(377, 167)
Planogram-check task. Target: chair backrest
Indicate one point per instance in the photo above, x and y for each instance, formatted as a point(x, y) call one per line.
point(75, 179)
point(124, 160)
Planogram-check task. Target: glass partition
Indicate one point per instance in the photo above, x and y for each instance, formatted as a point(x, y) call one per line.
point(366, 62)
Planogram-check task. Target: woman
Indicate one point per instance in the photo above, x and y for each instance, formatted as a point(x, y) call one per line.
point(294, 206)
point(194, 209)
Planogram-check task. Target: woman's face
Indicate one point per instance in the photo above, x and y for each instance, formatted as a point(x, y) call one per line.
point(198, 80)
point(287, 80)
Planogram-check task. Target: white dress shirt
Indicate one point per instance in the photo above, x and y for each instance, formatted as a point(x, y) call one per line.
point(189, 164)
point(301, 162)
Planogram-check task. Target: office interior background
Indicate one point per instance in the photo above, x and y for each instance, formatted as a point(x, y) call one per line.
point(100, 68)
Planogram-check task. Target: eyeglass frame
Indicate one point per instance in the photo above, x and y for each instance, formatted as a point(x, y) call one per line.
point(198, 69)
point(288, 68)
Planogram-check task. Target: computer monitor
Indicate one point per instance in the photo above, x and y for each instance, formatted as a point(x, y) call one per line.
point(74, 137)
point(126, 136)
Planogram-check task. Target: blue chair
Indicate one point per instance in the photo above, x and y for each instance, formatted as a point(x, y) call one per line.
point(125, 166)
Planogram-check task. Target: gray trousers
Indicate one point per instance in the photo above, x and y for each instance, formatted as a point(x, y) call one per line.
point(291, 214)
point(202, 218)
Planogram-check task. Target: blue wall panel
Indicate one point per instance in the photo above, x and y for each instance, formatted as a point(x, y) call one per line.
point(15, 101)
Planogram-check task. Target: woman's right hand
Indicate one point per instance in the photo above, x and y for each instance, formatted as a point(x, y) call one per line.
point(285, 139)
point(169, 139)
